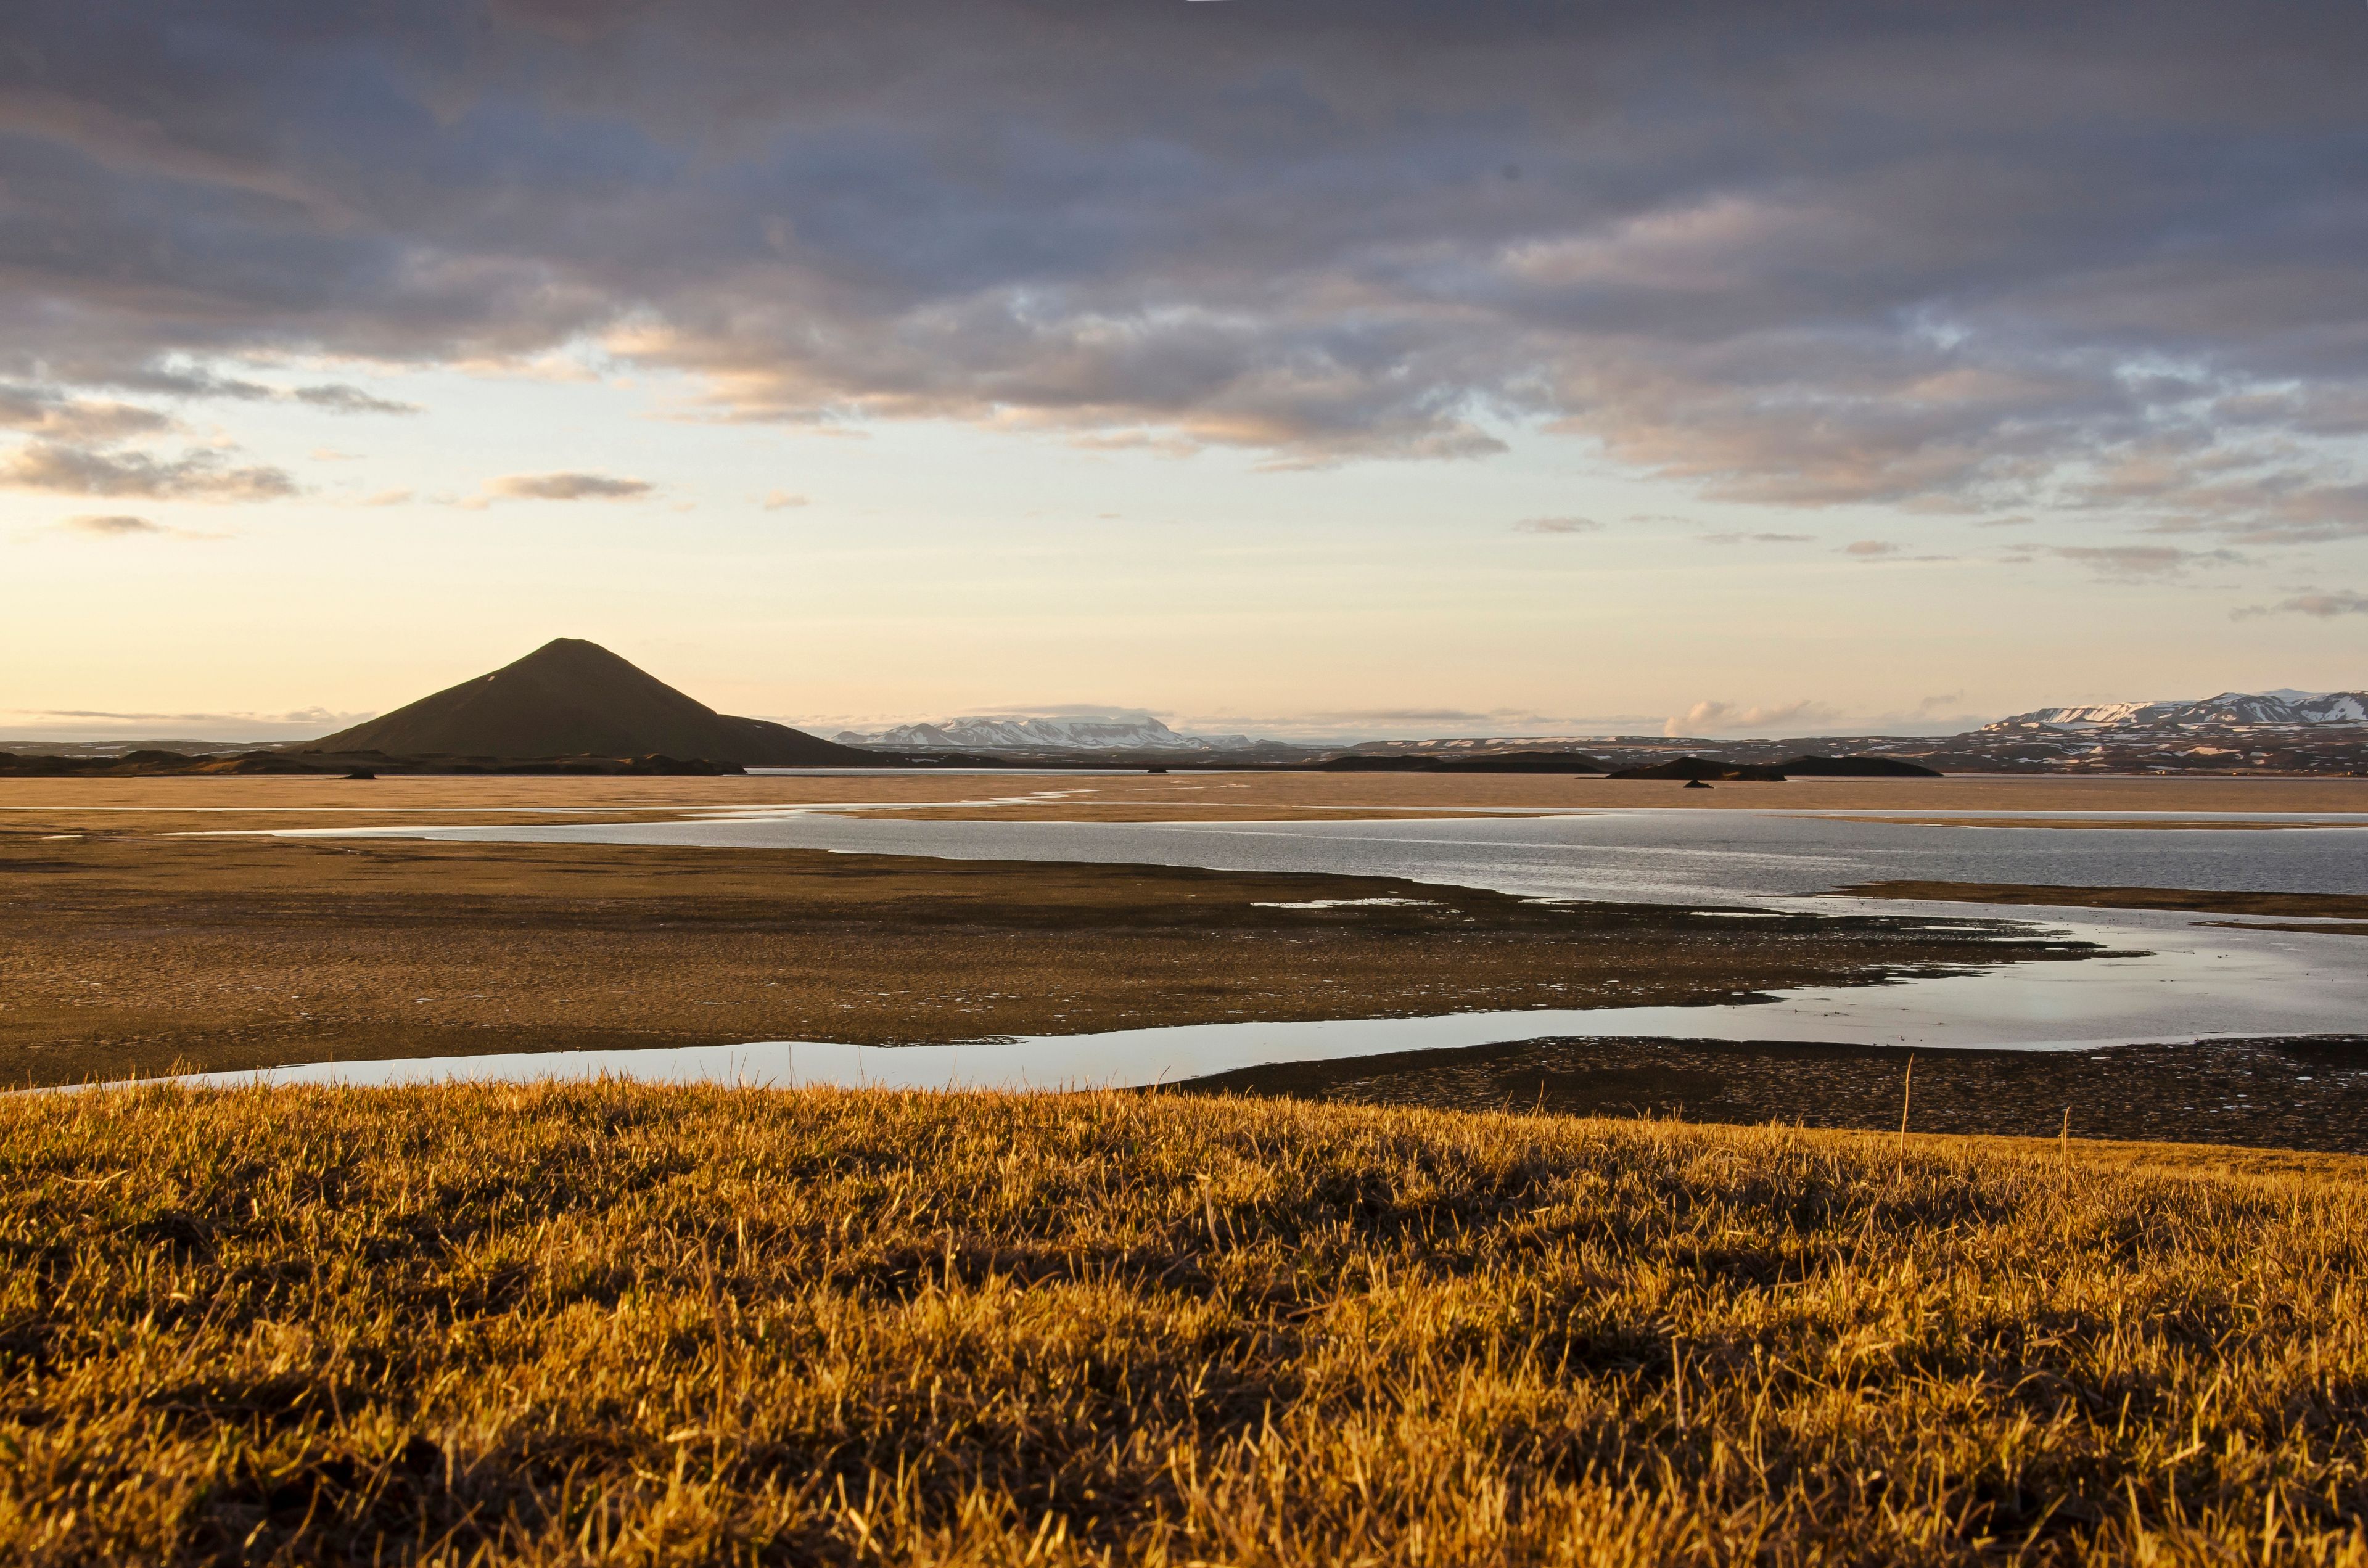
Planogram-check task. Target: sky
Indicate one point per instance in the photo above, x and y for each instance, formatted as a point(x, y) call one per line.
point(1309, 369)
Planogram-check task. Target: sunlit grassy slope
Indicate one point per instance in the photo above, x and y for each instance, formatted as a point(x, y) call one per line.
point(600, 1322)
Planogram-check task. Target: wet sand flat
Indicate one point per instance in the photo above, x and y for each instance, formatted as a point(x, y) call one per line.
point(122, 954)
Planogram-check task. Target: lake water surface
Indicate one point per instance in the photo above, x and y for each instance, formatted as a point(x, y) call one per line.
point(2184, 980)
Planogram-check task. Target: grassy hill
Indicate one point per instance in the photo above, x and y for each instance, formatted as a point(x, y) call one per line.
point(614, 1324)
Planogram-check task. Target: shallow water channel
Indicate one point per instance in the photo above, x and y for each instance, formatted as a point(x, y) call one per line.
point(2180, 979)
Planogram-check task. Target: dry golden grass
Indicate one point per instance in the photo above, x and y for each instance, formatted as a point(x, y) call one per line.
point(596, 1322)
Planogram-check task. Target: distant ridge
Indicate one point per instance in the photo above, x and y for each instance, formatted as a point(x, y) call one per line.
point(2229, 710)
point(570, 697)
point(1039, 733)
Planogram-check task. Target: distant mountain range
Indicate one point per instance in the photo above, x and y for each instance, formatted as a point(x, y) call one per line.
point(2229, 709)
point(1036, 734)
point(572, 706)
point(2270, 731)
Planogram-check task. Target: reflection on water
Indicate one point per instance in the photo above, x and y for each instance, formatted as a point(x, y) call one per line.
point(2195, 982)
point(2192, 981)
point(1671, 856)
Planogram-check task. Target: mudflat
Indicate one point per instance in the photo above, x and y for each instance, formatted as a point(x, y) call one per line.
point(134, 952)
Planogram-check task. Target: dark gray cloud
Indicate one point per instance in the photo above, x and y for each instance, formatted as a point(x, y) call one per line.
point(565, 487)
point(1958, 257)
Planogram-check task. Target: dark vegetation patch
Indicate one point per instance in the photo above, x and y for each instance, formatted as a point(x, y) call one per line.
point(2279, 1094)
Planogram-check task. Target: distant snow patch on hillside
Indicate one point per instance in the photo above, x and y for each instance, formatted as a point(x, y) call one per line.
point(2229, 709)
point(1016, 732)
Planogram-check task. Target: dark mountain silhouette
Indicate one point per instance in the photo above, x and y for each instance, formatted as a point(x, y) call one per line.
point(570, 697)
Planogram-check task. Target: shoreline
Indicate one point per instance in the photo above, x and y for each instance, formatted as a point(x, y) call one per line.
point(2306, 1093)
point(150, 956)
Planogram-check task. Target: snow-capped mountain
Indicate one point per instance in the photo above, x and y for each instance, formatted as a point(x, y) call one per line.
point(1012, 734)
point(2229, 709)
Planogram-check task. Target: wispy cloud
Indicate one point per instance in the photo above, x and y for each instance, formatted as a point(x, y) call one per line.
point(777, 500)
point(1759, 538)
point(122, 525)
point(193, 476)
point(350, 400)
point(2141, 562)
point(87, 723)
point(79, 420)
point(1714, 717)
point(2325, 605)
point(566, 487)
point(1557, 526)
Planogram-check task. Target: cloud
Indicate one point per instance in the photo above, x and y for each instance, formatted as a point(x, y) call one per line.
point(73, 724)
point(193, 476)
point(2141, 562)
point(1955, 259)
point(299, 716)
point(1407, 716)
point(350, 400)
point(125, 526)
point(116, 527)
point(164, 372)
point(776, 500)
point(1557, 526)
point(1759, 538)
point(565, 487)
point(1714, 717)
point(1870, 548)
point(59, 418)
point(2325, 605)
point(385, 498)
